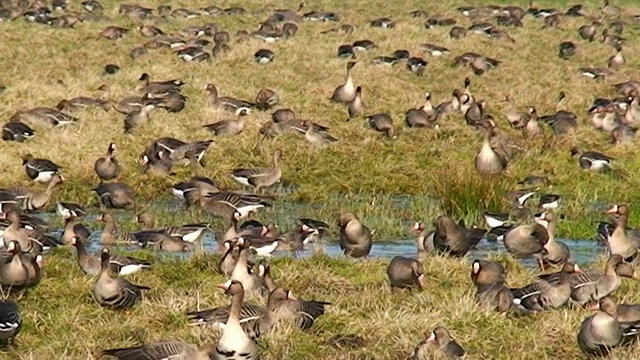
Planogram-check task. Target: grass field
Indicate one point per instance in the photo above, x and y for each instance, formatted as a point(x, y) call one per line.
point(389, 183)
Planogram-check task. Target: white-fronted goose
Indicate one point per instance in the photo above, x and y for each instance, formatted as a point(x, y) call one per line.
point(315, 137)
point(83, 102)
point(115, 195)
point(233, 233)
point(526, 241)
point(383, 123)
point(224, 204)
point(10, 321)
point(264, 56)
point(439, 343)
point(68, 209)
point(172, 102)
point(241, 270)
point(543, 294)
point(600, 333)
point(91, 263)
point(262, 245)
point(107, 168)
point(356, 106)
point(453, 239)
point(566, 49)
point(587, 32)
point(556, 252)
point(422, 117)
point(115, 293)
point(346, 92)
point(618, 242)
point(146, 86)
point(34, 200)
point(13, 272)
point(167, 349)
point(489, 277)
point(617, 60)
point(593, 286)
point(424, 239)
point(139, 117)
point(72, 229)
point(488, 161)
point(39, 169)
point(228, 126)
point(549, 201)
point(405, 273)
point(45, 115)
point(260, 177)
point(592, 160)
point(228, 261)
point(266, 99)
point(226, 103)
point(113, 32)
point(627, 315)
point(167, 243)
point(149, 31)
point(16, 131)
point(355, 237)
point(235, 343)
point(188, 232)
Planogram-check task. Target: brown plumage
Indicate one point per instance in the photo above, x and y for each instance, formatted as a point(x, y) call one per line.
point(405, 273)
point(452, 239)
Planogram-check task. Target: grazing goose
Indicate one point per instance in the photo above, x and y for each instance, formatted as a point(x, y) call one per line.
point(149, 31)
point(228, 126)
point(405, 273)
point(425, 238)
point(355, 237)
point(592, 160)
point(549, 201)
point(556, 252)
point(313, 225)
point(453, 239)
point(223, 204)
point(618, 242)
point(356, 106)
point(383, 123)
point(91, 264)
point(114, 293)
point(107, 168)
point(10, 321)
point(567, 267)
point(115, 195)
point(489, 278)
point(71, 229)
point(593, 286)
point(600, 333)
point(113, 32)
point(226, 103)
point(40, 170)
point(266, 99)
point(566, 49)
point(262, 245)
point(138, 117)
point(16, 131)
point(439, 343)
point(422, 117)
point(235, 343)
point(316, 137)
point(527, 241)
point(488, 161)
point(33, 200)
point(301, 313)
point(260, 177)
point(346, 92)
point(587, 32)
point(166, 349)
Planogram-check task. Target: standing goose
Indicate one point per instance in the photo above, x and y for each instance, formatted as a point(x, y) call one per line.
point(600, 333)
point(161, 350)
point(91, 264)
point(234, 343)
point(40, 170)
point(488, 161)
point(10, 321)
point(383, 123)
point(34, 200)
point(593, 286)
point(115, 293)
point(259, 177)
point(556, 252)
point(355, 237)
point(346, 92)
point(592, 160)
point(453, 239)
point(489, 278)
point(442, 342)
point(617, 60)
point(229, 126)
point(115, 195)
point(356, 106)
point(422, 117)
point(527, 241)
point(69, 209)
point(619, 242)
point(107, 168)
point(405, 273)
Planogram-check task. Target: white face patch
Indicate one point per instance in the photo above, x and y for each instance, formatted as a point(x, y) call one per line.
point(476, 267)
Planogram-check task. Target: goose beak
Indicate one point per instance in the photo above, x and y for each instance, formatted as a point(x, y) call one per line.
point(421, 280)
point(613, 210)
point(291, 297)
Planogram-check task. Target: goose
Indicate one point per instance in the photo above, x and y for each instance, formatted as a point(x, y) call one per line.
point(10, 321)
point(568, 267)
point(72, 229)
point(82, 102)
point(346, 92)
point(617, 60)
point(138, 117)
point(587, 32)
point(452, 106)
point(67, 210)
point(593, 286)
point(178, 151)
point(313, 225)
point(114, 293)
point(457, 32)
point(224, 204)
point(266, 99)
point(228, 261)
point(363, 45)
point(424, 239)
point(92, 6)
point(315, 137)
point(489, 278)
point(264, 56)
point(544, 294)
point(628, 315)
point(107, 168)
point(622, 241)
point(525, 241)
point(34, 200)
point(383, 123)
point(241, 270)
point(13, 272)
point(592, 160)
point(453, 239)
point(356, 106)
point(233, 233)
point(488, 162)
point(436, 21)
point(595, 72)
point(556, 252)
point(113, 32)
point(422, 117)
point(199, 185)
point(549, 201)
point(115, 195)
point(262, 245)
point(16, 131)
point(149, 31)
point(165, 349)
point(229, 126)
point(355, 237)
point(623, 133)
point(434, 50)
point(189, 232)
point(384, 23)
point(600, 333)
point(260, 177)
point(146, 86)
point(405, 273)
point(609, 9)
point(440, 339)
point(226, 103)
point(91, 264)
point(167, 243)
point(39, 169)
point(172, 102)
point(566, 49)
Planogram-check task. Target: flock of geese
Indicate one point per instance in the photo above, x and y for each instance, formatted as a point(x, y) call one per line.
point(27, 238)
